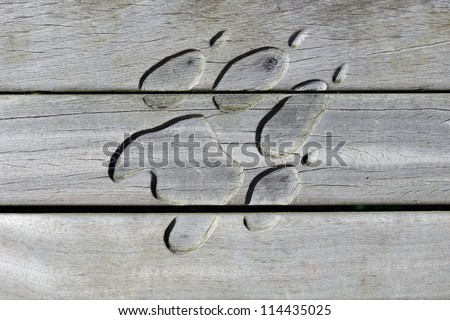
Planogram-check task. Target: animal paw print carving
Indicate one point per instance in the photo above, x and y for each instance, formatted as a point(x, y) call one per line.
point(192, 182)
point(240, 86)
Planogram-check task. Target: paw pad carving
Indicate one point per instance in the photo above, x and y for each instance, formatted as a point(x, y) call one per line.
point(311, 85)
point(171, 182)
point(182, 71)
point(258, 69)
point(292, 120)
point(263, 189)
point(187, 234)
point(237, 88)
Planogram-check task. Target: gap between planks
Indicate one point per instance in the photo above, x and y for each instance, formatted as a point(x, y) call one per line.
point(229, 210)
point(209, 92)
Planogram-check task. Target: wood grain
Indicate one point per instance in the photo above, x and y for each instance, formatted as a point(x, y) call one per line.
point(305, 256)
point(186, 234)
point(56, 149)
point(96, 45)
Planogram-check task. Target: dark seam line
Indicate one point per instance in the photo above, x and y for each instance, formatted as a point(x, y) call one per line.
point(231, 209)
point(208, 92)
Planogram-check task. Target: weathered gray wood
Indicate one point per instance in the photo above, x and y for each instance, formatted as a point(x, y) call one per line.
point(310, 255)
point(98, 45)
point(56, 149)
point(178, 182)
point(186, 234)
point(261, 222)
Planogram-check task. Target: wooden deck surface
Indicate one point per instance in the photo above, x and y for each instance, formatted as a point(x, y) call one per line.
point(96, 45)
point(305, 256)
point(357, 92)
point(389, 148)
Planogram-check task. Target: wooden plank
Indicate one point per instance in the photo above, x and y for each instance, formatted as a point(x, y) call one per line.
point(93, 45)
point(305, 256)
point(388, 148)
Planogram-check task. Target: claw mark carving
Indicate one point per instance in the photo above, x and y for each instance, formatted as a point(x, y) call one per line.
point(340, 74)
point(179, 72)
point(297, 38)
point(187, 234)
point(218, 38)
point(195, 183)
point(274, 186)
point(289, 122)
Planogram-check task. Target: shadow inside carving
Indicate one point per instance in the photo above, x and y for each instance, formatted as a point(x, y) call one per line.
point(274, 63)
point(134, 136)
point(311, 85)
point(153, 184)
point(184, 172)
point(216, 37)
point(186, 234)
point(160, 64)
point(293, 37)
point(167, 233)
point(236, 102)
point(260, 222)
point(266, 119)
point(259, 177)
point(340, 74)
point(286, 128)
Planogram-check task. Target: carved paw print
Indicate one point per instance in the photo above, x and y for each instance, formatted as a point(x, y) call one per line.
point(291, 120)
point(192, 180)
